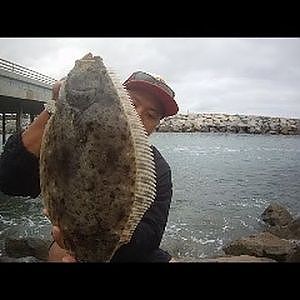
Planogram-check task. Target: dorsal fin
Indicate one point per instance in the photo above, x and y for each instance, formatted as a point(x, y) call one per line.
point(145, 189)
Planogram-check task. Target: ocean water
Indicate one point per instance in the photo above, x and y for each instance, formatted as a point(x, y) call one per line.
point(221, 185)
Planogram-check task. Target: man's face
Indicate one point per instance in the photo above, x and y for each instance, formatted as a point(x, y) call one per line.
point(148, 108)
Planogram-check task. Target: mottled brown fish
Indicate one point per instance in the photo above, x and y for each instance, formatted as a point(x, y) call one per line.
point(96, 164)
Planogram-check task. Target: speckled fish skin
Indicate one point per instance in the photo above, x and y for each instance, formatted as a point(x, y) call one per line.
point(96, 166)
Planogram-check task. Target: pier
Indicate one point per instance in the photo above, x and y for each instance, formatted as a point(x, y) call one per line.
point(22, 92)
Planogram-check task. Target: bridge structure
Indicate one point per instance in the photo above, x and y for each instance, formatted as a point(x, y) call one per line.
point(22, 91)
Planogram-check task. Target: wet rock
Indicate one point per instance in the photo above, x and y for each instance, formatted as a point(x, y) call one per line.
point(263, 244)
point(224, 259)
point(295, 255)
point(27, 259)
point(23, 247)
point(276, 215)
point(294, 229)
point(237, 259)
point(280, 222)
point(289, 232)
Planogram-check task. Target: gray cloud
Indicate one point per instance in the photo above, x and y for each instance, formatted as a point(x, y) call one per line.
point(243, 76)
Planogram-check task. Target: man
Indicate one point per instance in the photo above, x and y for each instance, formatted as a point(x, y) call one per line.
point(19, 170)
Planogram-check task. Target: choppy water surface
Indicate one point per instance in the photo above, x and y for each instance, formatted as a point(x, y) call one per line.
point(222, 184)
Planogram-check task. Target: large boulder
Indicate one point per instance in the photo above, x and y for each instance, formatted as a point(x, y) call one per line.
point(237, 259)
point(295, 255)
point(24, 247)
point(223, 259)
point(276, 215)
point(27, 259)
point(289, 232)
point(280, 222)
point(294, 229)
point(263, 244)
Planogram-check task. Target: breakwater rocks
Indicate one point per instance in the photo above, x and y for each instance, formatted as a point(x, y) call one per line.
point(230, 124)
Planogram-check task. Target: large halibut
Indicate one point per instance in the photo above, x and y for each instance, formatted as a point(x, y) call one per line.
point(97, 170)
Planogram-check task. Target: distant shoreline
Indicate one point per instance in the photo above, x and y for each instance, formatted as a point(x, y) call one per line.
point(225, 123)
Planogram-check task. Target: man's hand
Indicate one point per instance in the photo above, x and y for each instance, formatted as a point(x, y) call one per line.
point(56, 87)
point(57, 252)
point(32, 136)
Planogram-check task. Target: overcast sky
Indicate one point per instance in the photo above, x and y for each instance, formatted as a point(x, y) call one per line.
point(258, 76)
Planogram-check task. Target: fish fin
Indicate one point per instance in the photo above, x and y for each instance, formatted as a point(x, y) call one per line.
point(145, 187)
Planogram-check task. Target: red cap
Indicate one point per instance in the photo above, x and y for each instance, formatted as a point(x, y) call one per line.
point(156, 86)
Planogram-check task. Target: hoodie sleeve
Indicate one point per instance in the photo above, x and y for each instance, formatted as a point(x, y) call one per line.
point(19, 169)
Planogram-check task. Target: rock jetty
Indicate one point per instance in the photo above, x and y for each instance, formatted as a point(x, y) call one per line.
point(225, 123)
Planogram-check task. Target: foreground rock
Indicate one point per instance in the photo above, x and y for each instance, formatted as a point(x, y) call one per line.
point(26, 259)
point(280, 240)
point(280, 222)
point(264, 244)
point(276, 214)
point(29, 247)
point(290, 231)
point(224, 259)
point(237, 259)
